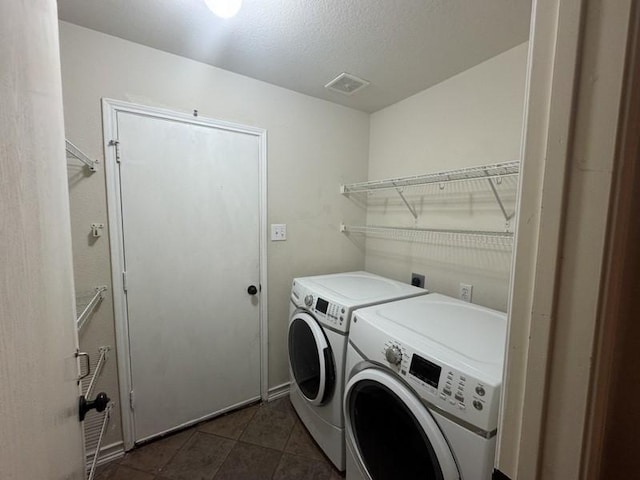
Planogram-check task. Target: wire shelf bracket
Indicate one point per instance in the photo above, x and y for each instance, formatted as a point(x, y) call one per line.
point(104, 350)
point(93, 303)
point(80, 155)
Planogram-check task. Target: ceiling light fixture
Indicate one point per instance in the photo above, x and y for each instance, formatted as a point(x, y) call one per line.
point(224, 8)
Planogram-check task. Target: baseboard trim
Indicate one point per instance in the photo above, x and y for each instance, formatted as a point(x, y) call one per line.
point(498, 475)
point(278, 391)
point(107, 454)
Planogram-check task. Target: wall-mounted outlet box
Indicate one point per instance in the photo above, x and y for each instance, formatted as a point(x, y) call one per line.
point(466, 291)
point(417, 280)
point(278, 232)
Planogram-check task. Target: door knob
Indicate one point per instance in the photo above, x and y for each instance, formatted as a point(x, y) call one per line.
point(99, 403)
point(252, 290)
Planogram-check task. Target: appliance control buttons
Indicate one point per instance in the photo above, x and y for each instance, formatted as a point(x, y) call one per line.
point(443, 396)
point(462, 406)
point(459, 397)
point(393, 355)
point(308, 300)
point(477, 405)
point(446, 391)
point(480, 391)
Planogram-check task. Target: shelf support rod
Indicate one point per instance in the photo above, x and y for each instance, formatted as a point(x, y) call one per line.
point(97, 297)
point(80, 155)
point(507, 217)
point(96, 373)
point(411, 209)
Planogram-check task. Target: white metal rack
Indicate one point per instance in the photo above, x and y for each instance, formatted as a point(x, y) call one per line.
point(90, 307)
point(106, 416)
point(104, 350)
point(78, 154)
point(425, 234)
point(95, 424)
point(488, 172)
point(491, 173)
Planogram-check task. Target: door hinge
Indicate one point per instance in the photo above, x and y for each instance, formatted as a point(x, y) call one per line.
point(131, 399)
point(125, 286)
point(116, 144)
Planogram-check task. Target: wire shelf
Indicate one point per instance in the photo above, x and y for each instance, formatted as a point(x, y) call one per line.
point(472, 173)
point(426, 234)
point(106, 416)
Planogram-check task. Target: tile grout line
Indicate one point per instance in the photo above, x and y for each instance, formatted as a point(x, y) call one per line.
point(235, 442)
point(170, 459)
point(283, 451)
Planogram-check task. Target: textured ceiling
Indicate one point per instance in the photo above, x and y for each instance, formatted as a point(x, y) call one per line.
point(400, 46)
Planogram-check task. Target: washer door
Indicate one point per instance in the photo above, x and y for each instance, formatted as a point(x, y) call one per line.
point(392, 433)
point(311, 359)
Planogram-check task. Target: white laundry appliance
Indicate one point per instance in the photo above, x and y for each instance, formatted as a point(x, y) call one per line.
point(320, 312)
point(423, 389)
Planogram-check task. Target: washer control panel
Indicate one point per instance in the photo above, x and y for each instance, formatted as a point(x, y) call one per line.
point(325, 311)
point(451, 390)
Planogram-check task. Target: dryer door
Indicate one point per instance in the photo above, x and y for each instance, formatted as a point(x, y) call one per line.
point(391, 432)
point(311, 359)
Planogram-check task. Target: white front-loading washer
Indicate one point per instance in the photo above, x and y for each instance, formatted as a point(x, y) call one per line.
point(320, 313)
point(423, 388)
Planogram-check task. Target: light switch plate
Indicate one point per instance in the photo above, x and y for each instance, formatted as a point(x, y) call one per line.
point(278, 232)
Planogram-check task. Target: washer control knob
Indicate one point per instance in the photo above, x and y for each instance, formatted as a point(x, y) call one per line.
point(480, 391)
point(308, 300)
point(393, 355)
point(477, 405)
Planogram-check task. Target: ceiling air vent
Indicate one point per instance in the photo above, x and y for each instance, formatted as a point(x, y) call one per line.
point(346, 84)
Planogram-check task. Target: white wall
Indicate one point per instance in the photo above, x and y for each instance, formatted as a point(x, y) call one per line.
point(40, 436)
point(313, 146)
point(471, 119)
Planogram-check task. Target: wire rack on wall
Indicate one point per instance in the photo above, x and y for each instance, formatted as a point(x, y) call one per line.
point(491, 173)
point(95, 423)
point(496, 170)
point(432, 234)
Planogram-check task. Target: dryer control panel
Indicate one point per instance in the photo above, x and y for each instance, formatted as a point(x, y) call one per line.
point(448, 389)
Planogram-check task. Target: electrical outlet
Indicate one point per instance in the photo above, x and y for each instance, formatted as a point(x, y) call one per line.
point(417, 280)
point(278, 232)
point(466, 291)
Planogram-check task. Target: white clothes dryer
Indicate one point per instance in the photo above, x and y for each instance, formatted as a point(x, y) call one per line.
point(320, 313)
point(423, 388)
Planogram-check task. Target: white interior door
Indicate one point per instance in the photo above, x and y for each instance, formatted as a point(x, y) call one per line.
point(190, 203)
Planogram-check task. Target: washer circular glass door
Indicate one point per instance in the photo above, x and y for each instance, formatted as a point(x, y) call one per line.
point(311, 359)
point(391, 432)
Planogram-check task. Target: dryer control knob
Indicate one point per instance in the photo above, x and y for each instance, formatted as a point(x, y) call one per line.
point(308, 300)
point(393, 355)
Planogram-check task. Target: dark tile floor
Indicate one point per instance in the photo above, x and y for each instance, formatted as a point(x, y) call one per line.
point(259, 442)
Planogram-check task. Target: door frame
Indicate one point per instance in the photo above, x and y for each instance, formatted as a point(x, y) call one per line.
point(110, 109)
